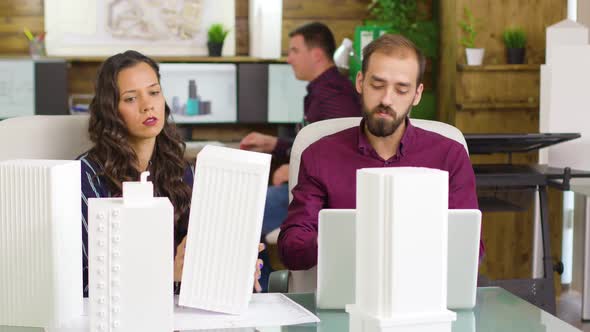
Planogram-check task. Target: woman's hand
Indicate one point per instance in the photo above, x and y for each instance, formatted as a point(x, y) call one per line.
point(257, 274)
point(179, 260)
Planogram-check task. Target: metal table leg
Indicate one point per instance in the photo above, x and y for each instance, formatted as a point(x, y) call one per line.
point(549, 294)
point(586, 267)
point(538, 291)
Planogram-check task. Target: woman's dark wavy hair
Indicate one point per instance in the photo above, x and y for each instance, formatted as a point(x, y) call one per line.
point(113, 152)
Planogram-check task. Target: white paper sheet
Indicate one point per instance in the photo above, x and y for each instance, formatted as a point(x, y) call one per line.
point(265, 313)
point(264, 310)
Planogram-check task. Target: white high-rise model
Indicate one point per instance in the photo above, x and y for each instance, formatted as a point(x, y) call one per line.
point(131, 249)
point(401, 251)
point(564, 96)
point(40, 242)
point(224, 229)
point(265, 18)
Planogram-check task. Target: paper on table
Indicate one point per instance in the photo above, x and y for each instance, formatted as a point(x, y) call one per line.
point(264, 310)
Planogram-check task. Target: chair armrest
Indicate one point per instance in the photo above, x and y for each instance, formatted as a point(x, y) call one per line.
point(278, 282)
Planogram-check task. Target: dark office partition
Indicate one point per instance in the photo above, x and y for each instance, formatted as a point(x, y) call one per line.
point(252, 93)
point(51, 87)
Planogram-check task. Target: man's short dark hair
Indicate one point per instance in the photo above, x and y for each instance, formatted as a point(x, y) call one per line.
point(317, 34)
point(392, 44)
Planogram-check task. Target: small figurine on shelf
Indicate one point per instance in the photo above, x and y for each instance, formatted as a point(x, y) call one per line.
point(215, 37)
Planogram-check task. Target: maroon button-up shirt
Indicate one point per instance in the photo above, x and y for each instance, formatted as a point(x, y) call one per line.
point(329, 95)
point(327, 179)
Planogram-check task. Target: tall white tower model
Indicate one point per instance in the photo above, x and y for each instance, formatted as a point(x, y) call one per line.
point(40, 242)
point(564, 96)
point(224, 229)
point(266, 20)
point(401, 251)
point(130, 259)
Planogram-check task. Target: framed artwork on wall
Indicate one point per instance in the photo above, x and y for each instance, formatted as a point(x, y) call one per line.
point(155, 27)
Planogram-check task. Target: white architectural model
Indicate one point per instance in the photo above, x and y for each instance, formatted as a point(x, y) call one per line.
point(564, 96)
point(265, 17)
point(131, 249)
point(224, 230)
point(401, 251)
point(40, 242)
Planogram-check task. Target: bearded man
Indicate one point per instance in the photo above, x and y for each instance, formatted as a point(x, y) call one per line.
point(390, 83)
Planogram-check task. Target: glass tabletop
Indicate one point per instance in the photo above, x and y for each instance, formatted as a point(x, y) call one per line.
point(496, 310)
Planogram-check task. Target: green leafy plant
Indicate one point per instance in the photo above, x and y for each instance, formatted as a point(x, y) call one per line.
point(217, 33)
point(469, 29)
point(405, 17)
point(514, 38)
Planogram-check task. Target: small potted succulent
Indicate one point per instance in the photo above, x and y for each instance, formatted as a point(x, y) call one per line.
point(474, 55)
point(515, 41)
point(215, 37)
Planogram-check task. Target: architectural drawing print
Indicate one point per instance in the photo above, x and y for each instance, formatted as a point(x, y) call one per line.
point(154, 19)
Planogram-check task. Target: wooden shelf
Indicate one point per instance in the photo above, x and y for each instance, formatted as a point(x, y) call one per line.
point(504, 67)
point(498, 106)
point(192, 59)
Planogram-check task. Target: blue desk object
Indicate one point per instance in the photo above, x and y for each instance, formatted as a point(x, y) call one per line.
point(496, 310)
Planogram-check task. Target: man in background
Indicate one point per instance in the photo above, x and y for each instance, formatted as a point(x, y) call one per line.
point(329, 95)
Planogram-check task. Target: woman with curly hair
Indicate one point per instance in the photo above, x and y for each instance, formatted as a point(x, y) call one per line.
point(131, 132)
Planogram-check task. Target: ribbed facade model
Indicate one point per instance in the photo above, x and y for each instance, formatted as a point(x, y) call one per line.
point(224, 230)
point(40, 242)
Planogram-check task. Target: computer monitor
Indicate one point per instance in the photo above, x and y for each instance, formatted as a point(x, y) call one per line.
point(336, 258)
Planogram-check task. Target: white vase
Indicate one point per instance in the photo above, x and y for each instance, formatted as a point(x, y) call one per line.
point(474, 56)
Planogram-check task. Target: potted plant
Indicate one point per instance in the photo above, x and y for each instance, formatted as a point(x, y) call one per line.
point(215, 37)
point(515, 41)
point(474, 55)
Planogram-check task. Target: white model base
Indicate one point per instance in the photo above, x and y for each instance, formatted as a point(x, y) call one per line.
point(423, 322)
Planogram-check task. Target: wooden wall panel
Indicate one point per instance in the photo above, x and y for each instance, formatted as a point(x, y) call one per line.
point(324, 9)
point(15, 24)
point(494, 16)
point(506, 121)
point(341, 28)
point(508, 235)
point(446, 98)
point(498, 87)
point(81, 77)
point(242, 28)
point(14, 16)
point(21, 8)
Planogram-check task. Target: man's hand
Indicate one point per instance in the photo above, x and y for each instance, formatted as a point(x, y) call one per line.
point(259, 264)
point(179, 260)
point(281, 175)
point(258, 142)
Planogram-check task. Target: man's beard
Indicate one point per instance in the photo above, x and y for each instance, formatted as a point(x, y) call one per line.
point(383, 127)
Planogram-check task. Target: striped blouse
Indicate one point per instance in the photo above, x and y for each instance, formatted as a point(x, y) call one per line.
point(94, 186)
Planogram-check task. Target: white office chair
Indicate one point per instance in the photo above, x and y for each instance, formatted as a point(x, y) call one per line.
point(59, 137)
point(305, 281)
